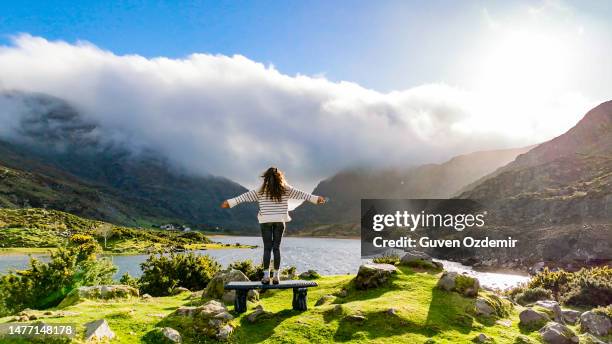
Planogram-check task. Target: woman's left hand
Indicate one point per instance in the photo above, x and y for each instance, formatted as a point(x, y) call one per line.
point(321, 200)
point(225, 205)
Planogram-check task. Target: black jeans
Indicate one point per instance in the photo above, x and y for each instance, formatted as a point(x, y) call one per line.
point(272, 233)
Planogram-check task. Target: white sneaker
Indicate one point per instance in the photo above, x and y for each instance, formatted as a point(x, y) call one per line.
point(275, 279)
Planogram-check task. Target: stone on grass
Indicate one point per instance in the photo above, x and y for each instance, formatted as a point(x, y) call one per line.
point(355, 318)
point(324, 299)
point(391, 311)
point(591, 339)
point(211, 319)
point(373, 275)
point(179, 290)
point(593, 323)
point(552, 306)
point(215, 288)
point(532, 319)
point(146, 296)
point(555, 333)
point(99, 292)
point(164, 335)
point(482, 307)
point(464, 285)
point(258, 313)
point(482, 338)
point(418, 259)
point(570, 316)
point(98, 331)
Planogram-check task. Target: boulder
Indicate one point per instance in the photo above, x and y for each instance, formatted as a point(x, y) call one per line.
point(591, 339)
point(215, 288)
point(99, 292)
point(373, 275)
point(164, 335)
point(98, 331)
point(258, 313)
point(464, 285)
point(324, 299)
point(555, 333)
point(553, 307)
point(532, 319)
point(482, 307)
point(593, 323)
point(310, 274)
point(482, 338)
point(570, 316)
point(211, 319)
point(419, 259)
point(179, 290)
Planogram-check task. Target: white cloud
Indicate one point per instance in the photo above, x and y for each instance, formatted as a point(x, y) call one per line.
point(232, 116)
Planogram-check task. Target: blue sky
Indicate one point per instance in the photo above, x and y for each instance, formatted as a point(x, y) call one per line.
point(383, 45)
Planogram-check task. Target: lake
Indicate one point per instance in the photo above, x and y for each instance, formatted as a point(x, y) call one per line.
point(325, 255)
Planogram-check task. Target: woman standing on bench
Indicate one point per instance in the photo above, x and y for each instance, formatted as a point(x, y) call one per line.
point(273, 197)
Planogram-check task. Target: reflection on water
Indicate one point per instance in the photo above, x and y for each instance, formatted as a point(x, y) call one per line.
point(327, 256)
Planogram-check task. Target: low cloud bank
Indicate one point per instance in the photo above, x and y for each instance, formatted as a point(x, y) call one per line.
point(233, 117)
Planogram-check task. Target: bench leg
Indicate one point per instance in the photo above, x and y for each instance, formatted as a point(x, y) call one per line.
point(240, 302)
point(300, 299)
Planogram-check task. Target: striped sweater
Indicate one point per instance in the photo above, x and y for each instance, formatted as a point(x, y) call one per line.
point(270, 210)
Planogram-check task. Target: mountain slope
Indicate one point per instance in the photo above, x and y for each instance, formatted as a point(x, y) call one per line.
point(345, 189)
point(55, 159)
point(555, 199)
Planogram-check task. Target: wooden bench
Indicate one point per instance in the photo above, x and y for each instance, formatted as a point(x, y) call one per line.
point(300, 291)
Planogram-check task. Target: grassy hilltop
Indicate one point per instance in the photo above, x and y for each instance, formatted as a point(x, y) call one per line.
point(423, 312)
point(24, 230)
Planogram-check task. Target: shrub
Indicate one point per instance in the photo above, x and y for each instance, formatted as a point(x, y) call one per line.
point(531, 295)
point(127, 279)
point(589, 287)
point(392, 259)
point(44, 285)
point(162, 273)
point(253, 272)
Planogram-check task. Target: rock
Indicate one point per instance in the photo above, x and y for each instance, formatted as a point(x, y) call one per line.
point(324, 299)
point(482, 307)
point(465, 285)
point(146, 296)
point(258, 313)
point(523, 339)
point(482, 338)
point(98, 331)
point(591, 339)
point(373, 275)
point(48, 313)
point(99, 292)
point(215, 290)
point(532, 319)
point(211, 319)
point(419, 259)
point(179, 290)
point(593, 323)
point(22, 318)
point(570, 316)
point(554, 307)
point(164, 335)
point(355, 318)
point(342, 293)
point(391, 311)
point(310, 274)
point(555, 333)
point(338, 309)
point(505, 323)
point(33, 317)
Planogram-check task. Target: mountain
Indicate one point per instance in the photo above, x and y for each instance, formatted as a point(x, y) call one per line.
point(556, 198)
point(56, 159)
point(345, 190)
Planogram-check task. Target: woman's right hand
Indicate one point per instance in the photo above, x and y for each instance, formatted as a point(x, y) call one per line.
point(225, 205)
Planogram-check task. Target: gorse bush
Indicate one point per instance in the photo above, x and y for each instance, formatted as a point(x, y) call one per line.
point(127, 279)
point(387, 259)
point(44, 285)
point(162, 273)
point(589, 287)
point(253, 272)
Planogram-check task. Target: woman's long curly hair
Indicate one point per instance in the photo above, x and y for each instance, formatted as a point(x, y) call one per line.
point(274, 185)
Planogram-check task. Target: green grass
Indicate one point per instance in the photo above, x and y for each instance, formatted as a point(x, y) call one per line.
point(423, 312)
point(26, 230)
